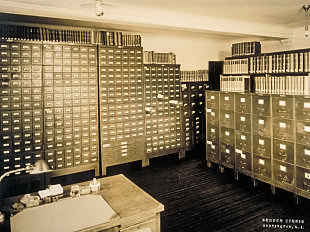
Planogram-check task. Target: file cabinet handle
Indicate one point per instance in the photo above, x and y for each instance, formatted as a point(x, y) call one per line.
point(308, 185)
point(284, 156)
point(306, 161)
point(242, 163)
point(282, 111)
point(283, 179)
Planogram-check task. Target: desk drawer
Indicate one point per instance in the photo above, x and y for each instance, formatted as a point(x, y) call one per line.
point(147, 226)
point(243, 103)
point(227, 118)
point(261, 145)
point(283, 129)
point(261, 125)
point(243, 122)
point(243, 141)
point(213, 116)
point(227, 156)
point(261, 105)
point(227, 101)
point(303, 155)
point(284, 150)
point(227, 136)
point(302, 108)
point(282, 107)
point(243, 161)
point(213, 151)
point(303, 179)
point(262, 166)
point(283, 172)
point(303, 132)
point(213, 133)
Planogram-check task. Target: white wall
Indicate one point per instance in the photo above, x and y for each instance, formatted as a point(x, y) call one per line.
point(193, 50)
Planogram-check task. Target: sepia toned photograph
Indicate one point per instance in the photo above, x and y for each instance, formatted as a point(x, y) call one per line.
point(154, 116)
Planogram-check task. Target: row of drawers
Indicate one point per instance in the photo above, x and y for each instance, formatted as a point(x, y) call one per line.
point(162, 148)
point(35, 60)
point(282, 106)
point(47, 47)
point(35, 68)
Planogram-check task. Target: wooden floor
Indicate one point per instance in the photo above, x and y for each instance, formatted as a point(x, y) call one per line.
point(198, 198)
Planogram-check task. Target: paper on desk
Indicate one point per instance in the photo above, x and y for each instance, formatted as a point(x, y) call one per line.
point(45, 193)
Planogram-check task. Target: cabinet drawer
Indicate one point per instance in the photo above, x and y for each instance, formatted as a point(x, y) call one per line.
point(243, 103)
point(227, 118)
point(261, 104)
point(213, 116)
point(213, 133)
point(283, 129)
point(302, 108)
point(282, 107)
point(303, 132)
point(213, 152)
point(284, 150)
point(147, 226)
point(243, 141)
point(243, 161)
point(261, 145)
point(303, 179)
point(227, 101)
point(212, 99)
point(227, 136)
point(261, 125)
point(303, 155)
point(243, 122)
point(262, 166)
point(227, 155)
point(283, 172)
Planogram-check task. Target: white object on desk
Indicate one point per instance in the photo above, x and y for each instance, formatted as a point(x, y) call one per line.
point(66, 215)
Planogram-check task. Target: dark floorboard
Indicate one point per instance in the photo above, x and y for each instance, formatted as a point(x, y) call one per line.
point(198, 198)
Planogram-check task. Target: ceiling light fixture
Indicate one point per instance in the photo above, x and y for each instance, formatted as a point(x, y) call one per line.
point(99, 8)
point(306, 9)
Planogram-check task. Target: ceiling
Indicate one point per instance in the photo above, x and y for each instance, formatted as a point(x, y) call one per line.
point(264, 19)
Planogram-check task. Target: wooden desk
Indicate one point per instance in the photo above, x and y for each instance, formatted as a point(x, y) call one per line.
point(137, 211)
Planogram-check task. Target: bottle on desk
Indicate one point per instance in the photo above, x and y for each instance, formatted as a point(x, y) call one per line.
point(94, 186)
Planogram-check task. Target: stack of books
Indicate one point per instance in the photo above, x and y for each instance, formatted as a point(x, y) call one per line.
point(246, 48)
point(195, 76)
point(113, 38)
point(236, 66)
point(151, 57)
point(288, 85)
point(235, 83)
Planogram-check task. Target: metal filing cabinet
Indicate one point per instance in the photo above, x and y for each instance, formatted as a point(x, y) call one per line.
point(121, 87)
point(212, 126)
point(164, 111)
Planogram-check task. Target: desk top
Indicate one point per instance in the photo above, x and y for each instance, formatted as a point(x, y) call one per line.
point(127, 200)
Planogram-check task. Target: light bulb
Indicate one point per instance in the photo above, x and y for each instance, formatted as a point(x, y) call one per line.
point(99, 8)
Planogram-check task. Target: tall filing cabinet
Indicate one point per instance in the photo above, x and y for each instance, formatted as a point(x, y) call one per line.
point(121, 105)
point(212, 126)
point(163, 119)
point(21, 104)
point(70, 92)
point(243, 125)
point(193, 95)
point(227, 129)
point(283, 141)
point(302, 114)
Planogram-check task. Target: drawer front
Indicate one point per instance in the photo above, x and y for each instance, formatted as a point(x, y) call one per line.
point(212, 99)
point(303, 155)
point(243, 161)
point(227, 156)
point(303, 132)
point(283, 172)
point(261, 145)
point(213, 133)
point(302, 108)
point(261, 104)
point(261, 166)
point(227, 118)
point(283, 129)
point(243, 141)
point(261, 125)
point(213, 116)
point(147, 226)
point(243, 103)
point(227, 101)
point(284, 151)
point(282, 107)
point(243, 122)
point(227, 136)
point(303, 179)
point(213, 152)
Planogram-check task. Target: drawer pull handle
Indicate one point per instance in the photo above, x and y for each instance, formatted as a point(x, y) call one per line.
point(242, 163)
point(306, 161)
point(282, 111)
point(305, 184)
